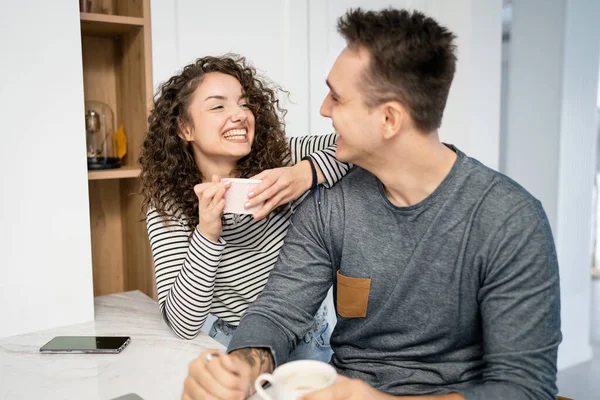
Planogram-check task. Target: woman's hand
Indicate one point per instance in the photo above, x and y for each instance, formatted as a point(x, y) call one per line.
point(211, 202)
point(279, 186)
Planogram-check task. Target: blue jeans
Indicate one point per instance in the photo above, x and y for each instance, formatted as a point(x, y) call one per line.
point(313, 346)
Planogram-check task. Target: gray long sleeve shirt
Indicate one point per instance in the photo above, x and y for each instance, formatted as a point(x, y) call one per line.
point(458, 293)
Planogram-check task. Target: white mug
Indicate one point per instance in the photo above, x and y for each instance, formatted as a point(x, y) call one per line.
point(237, 195)
point(295, 379)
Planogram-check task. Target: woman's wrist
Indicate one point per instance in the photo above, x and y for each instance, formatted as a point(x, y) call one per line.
point(208, 236)
point(306, 173)
point(315, 173)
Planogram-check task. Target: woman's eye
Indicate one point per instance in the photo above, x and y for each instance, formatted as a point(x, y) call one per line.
point(217, 108)
point(245, 105)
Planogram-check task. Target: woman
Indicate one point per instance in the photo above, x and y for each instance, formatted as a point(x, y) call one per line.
point(218, 119)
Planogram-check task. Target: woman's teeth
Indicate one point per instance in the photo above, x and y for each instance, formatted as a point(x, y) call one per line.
point(235, 134)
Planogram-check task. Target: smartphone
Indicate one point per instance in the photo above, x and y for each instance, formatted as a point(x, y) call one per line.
point(86, 344)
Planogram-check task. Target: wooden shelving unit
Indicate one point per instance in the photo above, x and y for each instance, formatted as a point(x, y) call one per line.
point(117, 70)
point(108, 25)
point(118, 173)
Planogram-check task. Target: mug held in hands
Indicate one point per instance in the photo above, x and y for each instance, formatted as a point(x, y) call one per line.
point(237, 195)
point(295, 379)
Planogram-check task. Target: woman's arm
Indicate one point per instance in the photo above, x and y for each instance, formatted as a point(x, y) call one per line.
point(321, 148)
point(287, 184)
point(186, 267)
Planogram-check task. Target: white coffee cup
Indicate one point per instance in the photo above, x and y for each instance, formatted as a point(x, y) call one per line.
point(295, 379)
point(237, 195)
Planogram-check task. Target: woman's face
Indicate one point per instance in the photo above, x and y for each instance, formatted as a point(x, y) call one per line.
point(222, 128)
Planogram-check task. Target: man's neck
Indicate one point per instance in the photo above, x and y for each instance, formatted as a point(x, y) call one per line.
point(413, 167)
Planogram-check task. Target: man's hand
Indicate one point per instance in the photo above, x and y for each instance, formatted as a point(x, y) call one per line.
point(355, 389)
point(214, 375)
point(279, 186)
point(347, 389)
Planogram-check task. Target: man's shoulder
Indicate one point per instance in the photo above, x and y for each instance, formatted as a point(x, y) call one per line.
point(355, 177)
point(499, 195)
point(357, 183)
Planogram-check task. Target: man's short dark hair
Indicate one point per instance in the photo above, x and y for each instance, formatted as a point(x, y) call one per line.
point(413, 60)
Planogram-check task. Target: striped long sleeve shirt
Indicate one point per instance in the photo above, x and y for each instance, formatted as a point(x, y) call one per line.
point(196, 276)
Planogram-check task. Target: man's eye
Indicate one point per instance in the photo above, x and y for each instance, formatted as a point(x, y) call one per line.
point(334, 98)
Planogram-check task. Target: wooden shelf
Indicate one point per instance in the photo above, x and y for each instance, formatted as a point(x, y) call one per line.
point(108, 25)
point(116, 54)
point(117, 173)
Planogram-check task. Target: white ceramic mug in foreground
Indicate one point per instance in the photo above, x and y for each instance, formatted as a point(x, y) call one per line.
point(295, 379)
point(237, 195)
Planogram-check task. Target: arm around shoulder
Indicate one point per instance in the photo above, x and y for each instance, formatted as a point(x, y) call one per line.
point(322, 150)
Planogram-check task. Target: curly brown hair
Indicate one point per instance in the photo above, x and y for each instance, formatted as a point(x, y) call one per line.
point(169, 171)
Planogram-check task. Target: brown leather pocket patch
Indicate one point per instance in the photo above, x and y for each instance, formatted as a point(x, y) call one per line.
point(352, 296)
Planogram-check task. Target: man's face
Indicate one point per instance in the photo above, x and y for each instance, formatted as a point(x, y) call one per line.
point(355, 123)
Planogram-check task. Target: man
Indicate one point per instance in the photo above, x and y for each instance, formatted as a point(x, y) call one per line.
point(445, 272)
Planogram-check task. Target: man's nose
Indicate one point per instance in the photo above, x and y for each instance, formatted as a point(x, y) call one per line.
point(326, 106)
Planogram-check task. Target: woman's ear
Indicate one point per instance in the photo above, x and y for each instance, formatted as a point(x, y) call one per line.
point(185, 132)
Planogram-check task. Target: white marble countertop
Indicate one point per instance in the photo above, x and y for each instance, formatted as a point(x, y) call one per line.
point(153, 365)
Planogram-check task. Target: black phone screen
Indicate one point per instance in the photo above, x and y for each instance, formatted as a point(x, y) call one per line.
point(86, 344)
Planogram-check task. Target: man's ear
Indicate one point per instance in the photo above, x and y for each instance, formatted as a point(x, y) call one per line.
point(185, 132)
point(394, 117)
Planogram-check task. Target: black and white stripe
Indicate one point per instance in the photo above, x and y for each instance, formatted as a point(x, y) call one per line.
point(195, 276)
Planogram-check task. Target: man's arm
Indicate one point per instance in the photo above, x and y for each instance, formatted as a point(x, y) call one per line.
point(451, 396)
point(520, 311)
point(354, 389)
point(259, 359)
point(297, 286)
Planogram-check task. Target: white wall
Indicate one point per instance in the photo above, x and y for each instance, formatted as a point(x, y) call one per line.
point(551, 140)
point(577, 160)
point(485, 81)
point(534, 103)
point(271, 34)
point(45, 237)
point(295, 43)
point(598, 98)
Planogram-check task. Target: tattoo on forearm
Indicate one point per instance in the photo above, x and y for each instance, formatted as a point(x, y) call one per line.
point(260, 357)
point(266, 360)
point(246, 355)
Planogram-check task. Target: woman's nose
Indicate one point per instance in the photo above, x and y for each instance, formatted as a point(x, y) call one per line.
point(239, 114)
